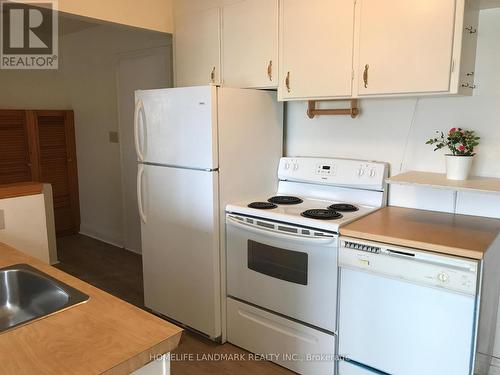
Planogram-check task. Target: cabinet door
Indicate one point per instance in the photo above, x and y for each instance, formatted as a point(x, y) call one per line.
point(197, 48)
point(316, 48)
point(405, 46)
point(250, 44)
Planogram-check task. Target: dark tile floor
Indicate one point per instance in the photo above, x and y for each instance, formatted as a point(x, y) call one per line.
point(119, 272)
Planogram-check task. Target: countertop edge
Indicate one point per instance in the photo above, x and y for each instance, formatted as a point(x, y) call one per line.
point(20, 189)
point(143, 358)
point(144, 353)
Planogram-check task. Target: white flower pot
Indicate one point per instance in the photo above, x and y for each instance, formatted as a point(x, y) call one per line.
point(458, 167)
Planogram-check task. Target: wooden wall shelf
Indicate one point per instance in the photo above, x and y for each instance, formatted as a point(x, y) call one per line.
point(439, 181)
point(312, 111)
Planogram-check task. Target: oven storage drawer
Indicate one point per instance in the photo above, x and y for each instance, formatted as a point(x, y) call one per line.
point(295, 346)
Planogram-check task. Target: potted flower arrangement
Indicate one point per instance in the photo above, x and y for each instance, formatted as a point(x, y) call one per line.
point(461, 144)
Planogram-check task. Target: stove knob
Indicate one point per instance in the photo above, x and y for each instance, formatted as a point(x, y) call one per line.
point(287, 165)
point(361, 172)
point(443, 277)
point(372, 173)
point(295, 166)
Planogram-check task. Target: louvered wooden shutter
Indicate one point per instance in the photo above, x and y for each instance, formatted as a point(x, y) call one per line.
point(15, 163)
point(57, 166)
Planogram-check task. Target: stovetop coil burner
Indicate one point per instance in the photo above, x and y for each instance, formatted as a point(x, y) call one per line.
point(285, 199)
point(343, 207)
point(322, 214)
point(262, 205)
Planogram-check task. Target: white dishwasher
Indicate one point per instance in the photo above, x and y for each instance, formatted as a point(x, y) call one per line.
point(405, 312)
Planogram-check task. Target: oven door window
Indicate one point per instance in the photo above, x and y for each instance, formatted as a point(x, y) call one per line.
point(279, 263)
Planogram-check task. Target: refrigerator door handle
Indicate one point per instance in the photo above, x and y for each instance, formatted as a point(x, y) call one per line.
point(140, 175)
point(139, 110)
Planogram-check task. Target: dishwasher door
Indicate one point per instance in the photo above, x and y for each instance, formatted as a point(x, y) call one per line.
point(405, 312)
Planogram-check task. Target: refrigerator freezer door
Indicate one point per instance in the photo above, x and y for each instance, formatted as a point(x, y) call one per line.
point(180, 245)
point(177, 127)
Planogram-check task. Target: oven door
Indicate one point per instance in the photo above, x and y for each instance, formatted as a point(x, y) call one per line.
point(276, 267)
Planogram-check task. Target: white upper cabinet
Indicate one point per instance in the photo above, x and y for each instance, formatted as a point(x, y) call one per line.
point(197, 48)
point(250, 44)
point(413, 47)
point(316, 49)
point(328, 49)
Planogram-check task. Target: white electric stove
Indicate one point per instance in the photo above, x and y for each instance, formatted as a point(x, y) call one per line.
point(321, 193)
point(281, 254)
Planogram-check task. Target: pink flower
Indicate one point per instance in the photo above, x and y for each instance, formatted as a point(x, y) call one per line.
point(460, 148)
point(453, 130)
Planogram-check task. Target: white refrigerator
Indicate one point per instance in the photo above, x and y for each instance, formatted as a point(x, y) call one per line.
point(198, 148)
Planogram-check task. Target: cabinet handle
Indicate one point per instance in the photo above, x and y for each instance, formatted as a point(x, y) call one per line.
point(471, 30)
point(365, 75)
point(270, 70)
point(212, 75)
point(287, 82)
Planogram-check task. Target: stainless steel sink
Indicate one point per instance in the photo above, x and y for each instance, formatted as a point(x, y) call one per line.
point(27, 294)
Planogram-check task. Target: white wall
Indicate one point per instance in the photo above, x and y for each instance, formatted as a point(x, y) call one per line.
point(86, 82)
point(91, 58)
point(387, 125)
point(29, 89)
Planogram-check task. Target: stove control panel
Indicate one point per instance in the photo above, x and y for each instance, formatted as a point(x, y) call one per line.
point(339, 172)
point(326, 169)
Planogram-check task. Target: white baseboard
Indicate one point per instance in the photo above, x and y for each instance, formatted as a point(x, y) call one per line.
point(111, 240)
point(102, 238)
point(135, 251)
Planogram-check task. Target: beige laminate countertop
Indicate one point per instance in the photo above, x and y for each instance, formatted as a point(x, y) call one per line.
point(103, 335)
point(459, 235)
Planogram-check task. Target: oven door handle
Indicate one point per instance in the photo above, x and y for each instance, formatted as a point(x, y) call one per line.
point(274, 234)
